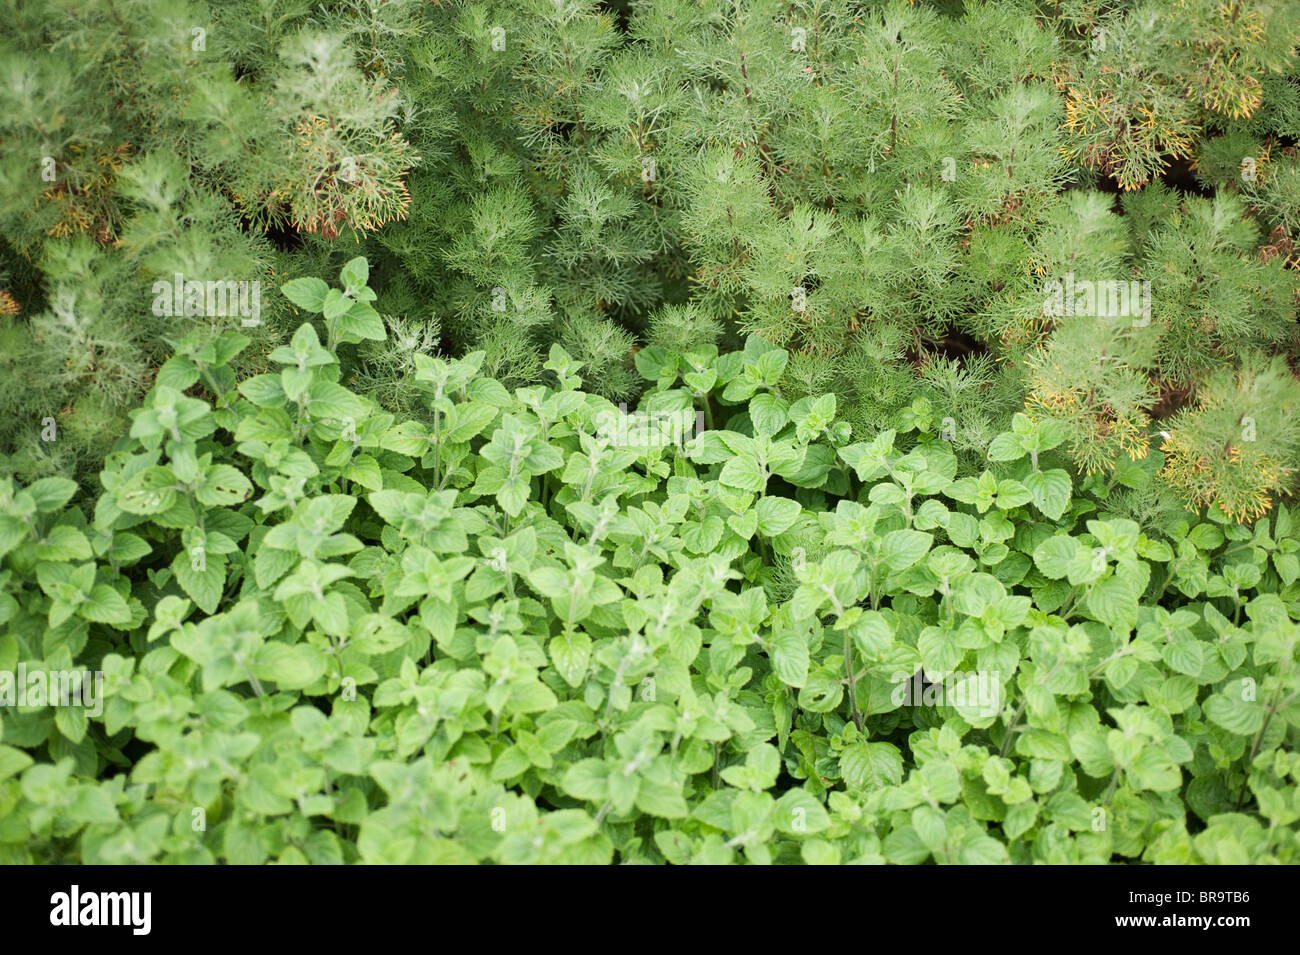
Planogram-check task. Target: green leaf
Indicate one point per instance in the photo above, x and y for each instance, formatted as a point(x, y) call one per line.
point(903, 548)
point(743, 473)
point(223, 485)
point(306, 293)
point(570, 653)
point(1050, 491)
point(1053, 556)
point(360, 323)
point(1114, 601)
point(202, 579)
point(776, 515)
point(768, 413)
point(586, 779)
point(290, 667)
point(799, 813)
point(869, 459)
point(1185, 654)
point(335, 304)
point(51, 493)
point(105, 605)
point(64, 543)
point(12, 762)
point(871, 765)
point(790, 657)
point(661, 799)
point(355, 274)
point(1006, 447)
point(1228, 710)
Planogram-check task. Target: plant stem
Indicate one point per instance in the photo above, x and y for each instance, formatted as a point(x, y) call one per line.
point(852, 685)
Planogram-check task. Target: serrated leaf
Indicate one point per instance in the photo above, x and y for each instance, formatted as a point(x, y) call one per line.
point(203, 580)
point(776, 515)
point(902, 548)
point(871, 765)
point(1006, 447)
point(790, 657)
point(570, 653)
point(1050, 491)
point(1230, 711)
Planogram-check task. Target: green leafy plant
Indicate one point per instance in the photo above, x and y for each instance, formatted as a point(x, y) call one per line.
point(520, 627)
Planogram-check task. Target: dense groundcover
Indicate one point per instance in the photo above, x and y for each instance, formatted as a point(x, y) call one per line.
point(544, 431)
point(531, 628)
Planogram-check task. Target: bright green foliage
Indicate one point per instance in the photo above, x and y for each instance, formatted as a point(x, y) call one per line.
point(517, 627)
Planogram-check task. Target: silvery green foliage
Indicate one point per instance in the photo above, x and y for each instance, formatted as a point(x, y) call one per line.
point(882, 187)
point(517, 628)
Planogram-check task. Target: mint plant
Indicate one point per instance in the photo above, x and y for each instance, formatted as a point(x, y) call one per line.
point(503, 631)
